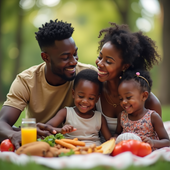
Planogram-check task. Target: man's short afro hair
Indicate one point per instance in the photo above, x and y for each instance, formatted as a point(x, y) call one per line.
point(54, 30)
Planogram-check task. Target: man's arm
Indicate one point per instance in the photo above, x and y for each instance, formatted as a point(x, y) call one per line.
point(8, 117)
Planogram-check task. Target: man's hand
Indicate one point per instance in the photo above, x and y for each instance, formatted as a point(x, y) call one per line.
point(44, 130)
point(16, 139)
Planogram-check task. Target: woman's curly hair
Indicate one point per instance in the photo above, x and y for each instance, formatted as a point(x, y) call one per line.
point(136, 49)
point(54, 30)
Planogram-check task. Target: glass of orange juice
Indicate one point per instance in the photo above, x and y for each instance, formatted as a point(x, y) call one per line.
point(28, 131)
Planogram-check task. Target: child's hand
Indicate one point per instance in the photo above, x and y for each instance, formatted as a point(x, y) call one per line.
point(147, 140)
point(67, 129)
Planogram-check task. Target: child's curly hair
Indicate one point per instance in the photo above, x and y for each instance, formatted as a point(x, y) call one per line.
point(140, 76)
point(136, 49)
point(54, 30)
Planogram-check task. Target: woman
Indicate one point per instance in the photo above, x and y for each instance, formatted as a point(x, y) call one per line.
point(121, 50)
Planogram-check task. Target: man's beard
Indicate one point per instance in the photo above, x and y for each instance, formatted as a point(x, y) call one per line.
point(68, 78)
point(63, 76)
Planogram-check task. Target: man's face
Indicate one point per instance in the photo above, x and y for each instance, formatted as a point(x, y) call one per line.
point(63, 59)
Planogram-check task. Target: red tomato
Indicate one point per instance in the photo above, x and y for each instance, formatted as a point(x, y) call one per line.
point(135, 144)
point(144, 149)
point(117, 150)
point(6, 145)
point(136, 147)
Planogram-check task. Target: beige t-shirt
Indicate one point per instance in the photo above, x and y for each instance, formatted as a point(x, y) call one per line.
point(42, 101)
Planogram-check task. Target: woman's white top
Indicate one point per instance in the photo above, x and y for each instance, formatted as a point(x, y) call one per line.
point(111, 122)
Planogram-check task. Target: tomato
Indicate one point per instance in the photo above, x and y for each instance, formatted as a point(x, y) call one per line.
point(134, 146)
point(6, 145)
point(144, 149)
point(117, 150)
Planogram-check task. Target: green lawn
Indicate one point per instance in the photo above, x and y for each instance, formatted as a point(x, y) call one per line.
point(6, 165)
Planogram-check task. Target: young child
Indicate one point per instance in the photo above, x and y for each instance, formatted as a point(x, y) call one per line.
point(82, 117)
point(134, 89)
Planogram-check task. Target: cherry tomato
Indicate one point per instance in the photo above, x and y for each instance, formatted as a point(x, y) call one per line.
point(6, 145)
point(136, 147)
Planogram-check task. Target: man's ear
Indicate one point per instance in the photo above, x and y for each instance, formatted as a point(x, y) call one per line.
point(145, 95)
point(45, 56)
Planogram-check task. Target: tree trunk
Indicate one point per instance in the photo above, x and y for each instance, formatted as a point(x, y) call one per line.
point(1, 55)
point(123, 9)
point(18, 41)
point(164, 90)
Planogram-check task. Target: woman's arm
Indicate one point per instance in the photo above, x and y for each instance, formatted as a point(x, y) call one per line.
point(153, 103)
point(119, 128)
point(104, 129)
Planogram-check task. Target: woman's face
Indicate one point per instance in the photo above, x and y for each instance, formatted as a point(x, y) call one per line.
point(109, 63)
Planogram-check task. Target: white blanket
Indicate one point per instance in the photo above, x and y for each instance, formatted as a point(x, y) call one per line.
point(94, 159)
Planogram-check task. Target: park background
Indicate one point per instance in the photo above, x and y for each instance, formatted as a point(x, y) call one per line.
point(20, 19)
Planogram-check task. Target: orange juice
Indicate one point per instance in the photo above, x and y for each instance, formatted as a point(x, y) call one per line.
point(28, 135)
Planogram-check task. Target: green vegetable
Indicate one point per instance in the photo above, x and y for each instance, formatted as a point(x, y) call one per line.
point(51, 139)
point(71, 152)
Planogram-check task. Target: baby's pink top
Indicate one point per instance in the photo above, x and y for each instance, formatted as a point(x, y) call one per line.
point(141, 127)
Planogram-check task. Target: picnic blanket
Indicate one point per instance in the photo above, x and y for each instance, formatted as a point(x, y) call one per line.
point(93, 159)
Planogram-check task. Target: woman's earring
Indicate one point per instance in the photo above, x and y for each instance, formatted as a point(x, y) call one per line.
point(122, 74)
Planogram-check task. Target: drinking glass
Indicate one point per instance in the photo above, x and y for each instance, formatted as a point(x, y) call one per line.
point(28, 131)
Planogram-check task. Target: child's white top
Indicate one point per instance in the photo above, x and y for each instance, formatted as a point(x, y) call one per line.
point(87, 129)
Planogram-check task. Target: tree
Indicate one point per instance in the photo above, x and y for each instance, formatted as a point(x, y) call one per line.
point(164, 88)
point(0, 50)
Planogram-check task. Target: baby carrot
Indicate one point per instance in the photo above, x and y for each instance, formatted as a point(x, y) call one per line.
point(74, 142)
point(76, 139)
point(65, 144)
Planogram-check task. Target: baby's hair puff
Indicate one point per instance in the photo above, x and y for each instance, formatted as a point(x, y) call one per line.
point(140, 76)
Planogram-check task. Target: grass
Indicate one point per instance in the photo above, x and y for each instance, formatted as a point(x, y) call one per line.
point(160, 164)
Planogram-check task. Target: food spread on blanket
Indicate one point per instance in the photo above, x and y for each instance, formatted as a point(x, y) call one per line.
point(57, 146)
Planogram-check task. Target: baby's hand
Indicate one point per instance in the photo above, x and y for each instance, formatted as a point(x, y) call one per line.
point(147, 140)
point(67, 129)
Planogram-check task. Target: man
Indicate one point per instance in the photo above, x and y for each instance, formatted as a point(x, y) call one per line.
point(46, 88)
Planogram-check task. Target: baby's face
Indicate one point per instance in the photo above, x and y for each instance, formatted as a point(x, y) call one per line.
point(85, 95)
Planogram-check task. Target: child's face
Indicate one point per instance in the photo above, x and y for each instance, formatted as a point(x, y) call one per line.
point(85, 95)
point(131, 97)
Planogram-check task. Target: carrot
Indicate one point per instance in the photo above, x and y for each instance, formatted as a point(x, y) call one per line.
point(65, 144)
point(99, 147)
point(74, 142)
point(74, 129)
point(76, 139)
